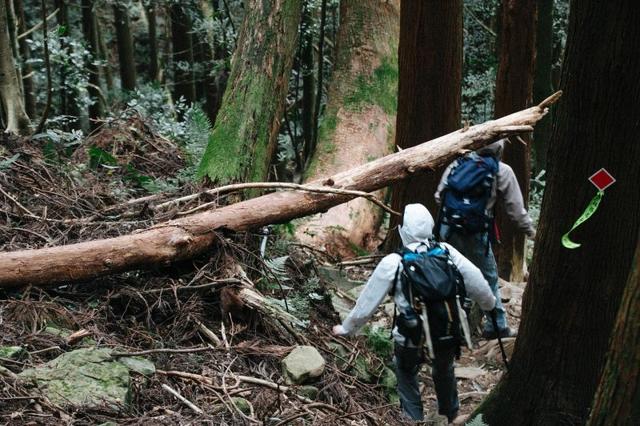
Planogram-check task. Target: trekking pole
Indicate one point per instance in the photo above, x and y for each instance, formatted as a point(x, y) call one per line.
point(494, 319)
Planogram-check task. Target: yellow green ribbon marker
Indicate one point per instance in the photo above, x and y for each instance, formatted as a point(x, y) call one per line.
point(602, 180)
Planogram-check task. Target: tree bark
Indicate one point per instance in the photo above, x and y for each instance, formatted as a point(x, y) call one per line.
point(91, 37)
point(183, 78)
point(17, 121)
point(25, 55)
point(245, 135)
point(125, 48)
point(104, 56)
point(514, 85)
point(572, 297)
point(429, 92)
point(542, 79)
point(154, 65)
point(357, 126)
point(308, 80)
point(617, 400)
point(192, 235)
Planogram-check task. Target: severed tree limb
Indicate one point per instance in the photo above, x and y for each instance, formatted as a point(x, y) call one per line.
point(192, 235)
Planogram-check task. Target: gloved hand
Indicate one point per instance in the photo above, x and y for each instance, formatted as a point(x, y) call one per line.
point(531, 234)
point(339, 330)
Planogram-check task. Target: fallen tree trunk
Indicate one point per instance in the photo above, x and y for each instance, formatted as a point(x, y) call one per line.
point(192, 235)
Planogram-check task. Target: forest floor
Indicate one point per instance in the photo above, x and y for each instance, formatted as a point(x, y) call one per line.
point(220, 354)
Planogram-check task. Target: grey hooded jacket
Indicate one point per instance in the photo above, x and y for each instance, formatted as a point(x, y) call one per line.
point(417, 228)
point(505, 185)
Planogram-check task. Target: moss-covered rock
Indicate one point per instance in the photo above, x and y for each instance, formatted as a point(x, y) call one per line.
point(139, 365)
point(13, 352)
point(84, 377)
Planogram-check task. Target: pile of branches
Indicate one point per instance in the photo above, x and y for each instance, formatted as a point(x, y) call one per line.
point(208, 345)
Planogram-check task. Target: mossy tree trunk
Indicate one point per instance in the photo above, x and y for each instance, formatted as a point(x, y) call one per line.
point(542, 85)
point(572, 298)
point(89, 30)
point(16, 119)
point(514, 86)
point(245, 134)
point(429, 95)
point(617, 400)
point(154, 65)
point(358, 123)
point(125, 48)
point(308, 79)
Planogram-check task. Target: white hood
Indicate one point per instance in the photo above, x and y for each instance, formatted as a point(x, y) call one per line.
point(417, 224)
point(494, 149)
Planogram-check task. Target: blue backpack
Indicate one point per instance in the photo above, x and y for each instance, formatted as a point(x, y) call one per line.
point(468, 189)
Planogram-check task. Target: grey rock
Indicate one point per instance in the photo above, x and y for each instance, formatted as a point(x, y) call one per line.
point(302, 364)
point(139, 365)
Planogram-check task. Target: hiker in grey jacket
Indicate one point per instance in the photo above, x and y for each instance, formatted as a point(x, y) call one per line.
point(416, 230)
point(476, 246)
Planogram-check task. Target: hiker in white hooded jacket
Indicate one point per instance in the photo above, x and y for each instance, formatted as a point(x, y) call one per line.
point(415, 232)
point(476, 246)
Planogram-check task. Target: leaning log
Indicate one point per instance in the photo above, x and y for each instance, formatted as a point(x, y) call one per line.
point(189, 236)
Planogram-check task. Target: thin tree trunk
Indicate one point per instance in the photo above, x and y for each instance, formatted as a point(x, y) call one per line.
point(320, 73)
point(308, 80)
point(91, 37)
point(25, 55)
point(150, 12)
point(183, 78)
point(429, 92)
point(245, 135)
point(514, 85)
point(542, 80)
point(104, 56)
point(12, 26)
point(617, 400)
point(125, 48)
point(194, 234)
point(63, 30)
point(572, 296)
point(357, 125)
point(17, 120)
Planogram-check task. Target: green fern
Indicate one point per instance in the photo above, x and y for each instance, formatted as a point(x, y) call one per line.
point(477, 421)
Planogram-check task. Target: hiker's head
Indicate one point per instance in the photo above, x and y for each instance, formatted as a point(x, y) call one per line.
point(494, 149)
point(417, 224)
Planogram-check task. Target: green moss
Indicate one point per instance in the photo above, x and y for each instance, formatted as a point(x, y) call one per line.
point(381, 88)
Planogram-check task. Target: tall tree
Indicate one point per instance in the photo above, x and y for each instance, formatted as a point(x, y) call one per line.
point(308, 78)
point(89, 30)
point(357, 126)
point(154, 65)
point(617, 400)
point(17, 121)
point(181, 37)
point(245, 135)
point(25, 55)
point(542, 85)
point(429, 90)
point(125, 47)
point(514, 85)
point(572, 297)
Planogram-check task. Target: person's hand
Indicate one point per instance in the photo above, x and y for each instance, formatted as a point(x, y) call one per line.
point(338, 330)
point(532, 234)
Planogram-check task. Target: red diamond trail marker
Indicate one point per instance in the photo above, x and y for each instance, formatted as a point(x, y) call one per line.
point(602, 179)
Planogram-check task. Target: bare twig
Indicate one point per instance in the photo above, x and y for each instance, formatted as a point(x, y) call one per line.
point(163, 351)
point(184, 400)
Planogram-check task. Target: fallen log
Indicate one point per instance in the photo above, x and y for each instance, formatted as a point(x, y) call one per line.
point(191, 235)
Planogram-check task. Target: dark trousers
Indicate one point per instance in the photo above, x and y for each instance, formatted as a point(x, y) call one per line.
point(407, 364)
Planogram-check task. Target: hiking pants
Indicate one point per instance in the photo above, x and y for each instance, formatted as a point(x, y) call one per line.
point(476, 248)
point(407, 364)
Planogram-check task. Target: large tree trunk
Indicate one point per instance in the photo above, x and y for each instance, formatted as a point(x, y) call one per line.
point(192, 235)
point(542, 79)
point(245, 135)
point(183, 79)
point(617, 400)
point(125, 48)
point(357, 126)
point(429, 92)
point(16, 118)
point(572, 297)
point(25, 55)
point(91, 37)
point(514, 85)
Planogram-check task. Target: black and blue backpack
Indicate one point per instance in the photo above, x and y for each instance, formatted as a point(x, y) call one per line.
point(467, 192)
point(431, 278)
